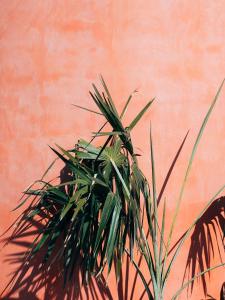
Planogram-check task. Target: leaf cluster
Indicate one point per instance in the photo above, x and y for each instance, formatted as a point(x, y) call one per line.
point(88, 218)
point(96, 215)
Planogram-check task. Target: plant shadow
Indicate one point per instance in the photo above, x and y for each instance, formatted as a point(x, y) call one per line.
point(32, 276)
point(208, 232)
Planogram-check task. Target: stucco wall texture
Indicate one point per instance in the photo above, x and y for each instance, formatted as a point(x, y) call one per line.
point(51, 51)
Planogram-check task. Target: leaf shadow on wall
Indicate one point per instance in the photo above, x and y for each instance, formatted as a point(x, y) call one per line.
point(207, 238)
point(32, 275)
point(202, 248)
point(30, 278)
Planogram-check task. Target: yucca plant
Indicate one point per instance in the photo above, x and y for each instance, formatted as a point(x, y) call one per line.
point(155, 248)
point(89, 218)
point(95, 216)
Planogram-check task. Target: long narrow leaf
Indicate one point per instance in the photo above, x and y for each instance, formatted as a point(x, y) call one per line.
point(187, 233)
point(106, 213)
point(171, 169)
point(126, 105)
point(113, 232)
point(155, 214)
point(87, 109)
point(162, 243)
point(150, 296)
point(139, 116)
point(194, 278)
point(190, 164)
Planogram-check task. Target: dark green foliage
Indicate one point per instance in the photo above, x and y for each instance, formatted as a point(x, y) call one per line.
point(95, 216)
point(88, 219)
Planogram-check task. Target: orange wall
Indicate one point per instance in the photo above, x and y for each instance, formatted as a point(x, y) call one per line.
point(51, 51)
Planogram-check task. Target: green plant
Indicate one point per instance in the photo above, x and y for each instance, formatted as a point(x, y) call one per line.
point(157, 258)
point(91, 213)
point(97, 214)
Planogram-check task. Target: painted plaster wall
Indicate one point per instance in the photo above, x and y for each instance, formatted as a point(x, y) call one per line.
point(51, 51)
